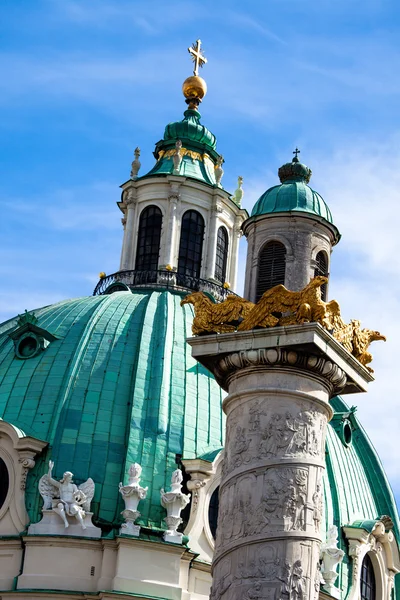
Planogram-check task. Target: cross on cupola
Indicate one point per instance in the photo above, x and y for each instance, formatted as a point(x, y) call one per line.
point(296, 152)
point(197, 57)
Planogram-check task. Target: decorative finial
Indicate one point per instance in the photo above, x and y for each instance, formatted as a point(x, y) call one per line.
point(296, 152)
point(238, 194)
point(27, 317)
point(177, 157)
point(195, 88)
point(218, 170)
point(135, 164)
point(197, 57)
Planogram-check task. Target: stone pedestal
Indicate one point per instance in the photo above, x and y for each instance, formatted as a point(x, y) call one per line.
point(279, 382)
point(51, 524)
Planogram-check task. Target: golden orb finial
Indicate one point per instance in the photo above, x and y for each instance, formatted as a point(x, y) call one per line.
point(194, 88)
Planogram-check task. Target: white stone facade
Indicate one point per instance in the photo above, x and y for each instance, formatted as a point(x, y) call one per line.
point(174, 195)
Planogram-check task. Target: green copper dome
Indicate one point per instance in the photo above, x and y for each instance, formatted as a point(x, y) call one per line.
point(294, 195)
point(198, 150)
point(190, 129)
point(117, 385)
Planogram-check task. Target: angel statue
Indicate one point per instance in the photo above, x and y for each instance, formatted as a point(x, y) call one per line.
point(66, 498)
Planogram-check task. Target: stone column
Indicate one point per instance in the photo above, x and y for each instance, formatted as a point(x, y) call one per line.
point(212, 240)
point(279, 382)
point(234, 252)
point(170, 249)
point(129, 232)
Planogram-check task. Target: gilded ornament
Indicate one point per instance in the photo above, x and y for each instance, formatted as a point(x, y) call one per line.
point(216, 318)
point(182, 152)
point(279, 306)
point(102, 275)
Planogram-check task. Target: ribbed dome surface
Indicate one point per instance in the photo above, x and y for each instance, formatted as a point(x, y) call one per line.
point(119, 386)
point(292, 196)
point(356, 488)
point(191, 129)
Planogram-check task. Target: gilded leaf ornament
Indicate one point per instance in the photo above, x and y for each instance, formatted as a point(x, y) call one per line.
point(279, 306)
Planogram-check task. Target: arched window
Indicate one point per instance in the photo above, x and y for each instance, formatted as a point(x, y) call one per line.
point(221, 255)
point(4, 482)
point(271, 267)
point(191, 244)
point(321, 269)
point(148, 246)
point(213, 512)
point(368, 586)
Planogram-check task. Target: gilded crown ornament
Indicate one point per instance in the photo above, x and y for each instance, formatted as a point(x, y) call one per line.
point(279, 306)
point(194, 87)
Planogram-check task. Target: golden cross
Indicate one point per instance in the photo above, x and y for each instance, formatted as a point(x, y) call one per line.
point(197, 57)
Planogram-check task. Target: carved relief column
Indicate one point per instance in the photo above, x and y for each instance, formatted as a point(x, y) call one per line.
point(129, 233)
point(279, 382)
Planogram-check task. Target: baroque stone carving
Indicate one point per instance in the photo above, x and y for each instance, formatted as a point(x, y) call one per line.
point(218, 170)
point(26, 463)
point(195, 485)
point(132, 494)
point(174, 502)
point(331, 556)
point(65, 498)
point(261, 579)
point(135, 164)
point(293, 436)
point(238, 193)
point(177, 157)
point(280, 356)
point(280, 306)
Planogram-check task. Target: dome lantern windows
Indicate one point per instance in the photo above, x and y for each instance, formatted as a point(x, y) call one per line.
point(221, 255)
point(149, 235)
point(191, 244)
point(271, 267)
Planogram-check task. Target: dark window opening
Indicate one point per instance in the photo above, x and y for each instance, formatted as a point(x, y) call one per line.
point(213, 512)
point(191, 244)
point(148, 245)
point(221, 255)
point(4, 482)
point(368, 585)
point(271, 267)
point(321, 269)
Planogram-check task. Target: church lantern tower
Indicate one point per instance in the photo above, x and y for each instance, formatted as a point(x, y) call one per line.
point(180, 224)
point(290, 234)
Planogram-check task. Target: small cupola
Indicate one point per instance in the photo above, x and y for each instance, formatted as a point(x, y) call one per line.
point(290, 234)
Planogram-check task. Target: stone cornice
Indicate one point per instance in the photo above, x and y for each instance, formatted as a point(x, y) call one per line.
point(307, 347)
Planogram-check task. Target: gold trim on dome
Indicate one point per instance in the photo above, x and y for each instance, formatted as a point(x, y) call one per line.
point(280, 306)
point(183, 152)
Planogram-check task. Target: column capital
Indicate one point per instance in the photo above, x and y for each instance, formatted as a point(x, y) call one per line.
point(306, 347)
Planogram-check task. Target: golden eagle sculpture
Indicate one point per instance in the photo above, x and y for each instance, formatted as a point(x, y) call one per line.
point(280, 306)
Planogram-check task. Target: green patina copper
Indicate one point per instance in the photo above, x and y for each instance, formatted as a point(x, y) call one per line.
point(197, 139)
point(294, 195)
point(118, 386)
point(356, 489)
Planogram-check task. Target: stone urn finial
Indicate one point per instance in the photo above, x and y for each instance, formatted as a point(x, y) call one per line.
point(135, 164)
point(174, 502)
point(132, 493)
point(218, 170)
point(331, 557)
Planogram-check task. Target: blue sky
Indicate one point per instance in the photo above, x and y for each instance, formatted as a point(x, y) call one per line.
point(83, 82)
